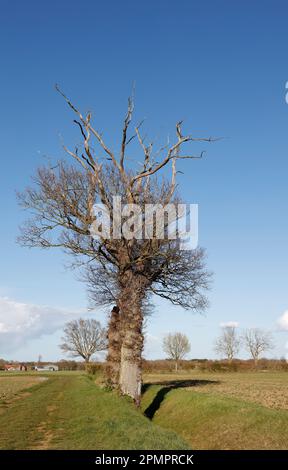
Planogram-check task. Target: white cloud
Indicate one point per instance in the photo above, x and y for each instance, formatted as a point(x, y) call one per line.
point(152, 346)
point(282, 322)
point(21, 323)
point(231, 324)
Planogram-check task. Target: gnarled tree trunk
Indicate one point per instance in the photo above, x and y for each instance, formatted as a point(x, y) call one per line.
point(130, 302)
point(130, 379)
point(112, 369)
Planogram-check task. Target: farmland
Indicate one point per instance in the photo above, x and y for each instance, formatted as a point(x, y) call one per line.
point(221, 411)
point(9, 387)
point(267, 388)
point(198, 410)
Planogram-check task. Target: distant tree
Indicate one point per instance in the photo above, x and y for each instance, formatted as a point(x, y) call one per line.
point(257, 341)
point(84, 338)
point(39, 360)
point(176, 346)
point(228, 343)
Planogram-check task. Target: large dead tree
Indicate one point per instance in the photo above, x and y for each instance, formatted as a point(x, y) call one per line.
point(121, 272)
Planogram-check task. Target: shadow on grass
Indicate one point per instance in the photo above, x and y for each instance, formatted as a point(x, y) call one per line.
point(167, 387)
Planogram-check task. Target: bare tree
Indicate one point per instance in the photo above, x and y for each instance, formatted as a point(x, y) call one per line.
point(39, 360)
point(84, 338)
point(257, 341)
point(176, 346)
point(228, 343)
point(119, 272)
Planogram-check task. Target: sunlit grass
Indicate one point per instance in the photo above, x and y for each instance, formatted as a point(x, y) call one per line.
point(71, 412)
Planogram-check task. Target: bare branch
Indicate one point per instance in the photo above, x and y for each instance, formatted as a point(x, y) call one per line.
point(124, 132)
point(74, 155)
point(86, 123)
point(172, 151)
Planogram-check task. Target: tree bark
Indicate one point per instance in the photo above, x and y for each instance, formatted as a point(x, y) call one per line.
point(130, 302)
point(130, 380)
point(112, 368)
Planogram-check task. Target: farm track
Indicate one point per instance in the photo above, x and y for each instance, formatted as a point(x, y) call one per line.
point(45, 427)
point(71, 412)
point(38, 421)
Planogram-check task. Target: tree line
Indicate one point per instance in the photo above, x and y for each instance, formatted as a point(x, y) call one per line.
point(84, 338)
point(255, 341)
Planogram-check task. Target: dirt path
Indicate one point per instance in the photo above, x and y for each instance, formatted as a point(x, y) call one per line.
point(34, 414)
point(45, 428)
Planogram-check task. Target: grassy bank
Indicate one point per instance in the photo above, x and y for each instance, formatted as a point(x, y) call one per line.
point(185, 410)
point(70, 412)
point(228, 411)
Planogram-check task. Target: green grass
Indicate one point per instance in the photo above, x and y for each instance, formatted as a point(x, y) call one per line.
point(70, 412)
point(208, 418)
point(188, 410)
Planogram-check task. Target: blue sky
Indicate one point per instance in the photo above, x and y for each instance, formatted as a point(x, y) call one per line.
point(222, 68)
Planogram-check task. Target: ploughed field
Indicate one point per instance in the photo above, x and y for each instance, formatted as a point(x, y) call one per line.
point(197, 410)
point(221, 410)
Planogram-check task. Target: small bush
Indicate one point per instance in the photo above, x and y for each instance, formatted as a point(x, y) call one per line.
point(93, 368)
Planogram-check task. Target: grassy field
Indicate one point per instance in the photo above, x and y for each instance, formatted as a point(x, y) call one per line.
point(221, 411)
point(10, 388)
point(68, 411)
point(186, 410)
